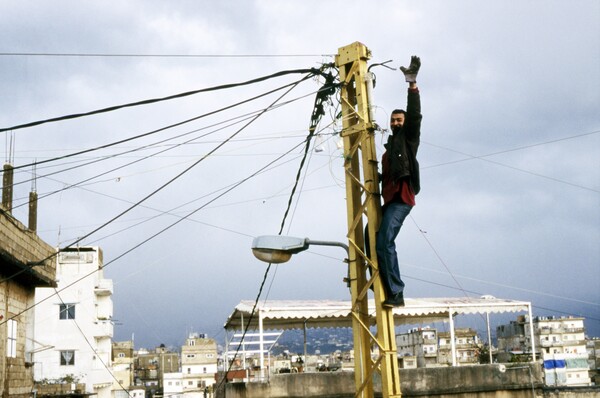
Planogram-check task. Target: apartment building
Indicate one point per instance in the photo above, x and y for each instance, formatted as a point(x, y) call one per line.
point(559, 341)
point(73, 323)
point(418, 347)
point(467, 345)
point(122, 366)
point(199, 361)
point(151, 366)
point(593, 349)
point(173, 385)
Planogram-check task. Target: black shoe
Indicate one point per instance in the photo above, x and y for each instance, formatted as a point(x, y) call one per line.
point(394, 301)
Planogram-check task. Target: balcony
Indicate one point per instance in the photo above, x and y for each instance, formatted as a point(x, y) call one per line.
point(575, 330)
point(573, 342)
point(104, 287)
point(103, 328)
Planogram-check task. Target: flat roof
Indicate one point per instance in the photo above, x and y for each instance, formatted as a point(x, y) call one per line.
point(298, 314)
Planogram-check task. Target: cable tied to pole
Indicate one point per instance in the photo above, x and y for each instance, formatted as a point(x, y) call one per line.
point(329, 88)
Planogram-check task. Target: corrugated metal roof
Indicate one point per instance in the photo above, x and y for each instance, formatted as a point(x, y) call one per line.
point(297, 314)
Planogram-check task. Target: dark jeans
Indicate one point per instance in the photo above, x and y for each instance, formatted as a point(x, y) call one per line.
point(389, 269)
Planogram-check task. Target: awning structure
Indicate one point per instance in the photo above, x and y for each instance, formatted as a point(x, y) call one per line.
point(303, 314)
point(298, 314)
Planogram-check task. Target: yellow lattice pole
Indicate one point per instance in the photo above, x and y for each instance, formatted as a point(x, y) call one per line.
point(362, 198)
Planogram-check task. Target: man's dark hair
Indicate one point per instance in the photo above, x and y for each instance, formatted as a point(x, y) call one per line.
point(399, 111)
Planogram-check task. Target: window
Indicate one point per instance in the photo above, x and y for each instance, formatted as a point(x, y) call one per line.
point(67, 311)
point(11, 342)
point(203, 370)
point(67, 358)
point(121, 355)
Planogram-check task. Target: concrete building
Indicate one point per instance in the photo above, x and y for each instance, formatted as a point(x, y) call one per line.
point(173, 385)
point(561, 343)
point(26, 263)
point(150, 367)
point(418, 347)
point(467, 346)
point(593, 349)
point(122, 366)
point(73, 325)
point(198, 365)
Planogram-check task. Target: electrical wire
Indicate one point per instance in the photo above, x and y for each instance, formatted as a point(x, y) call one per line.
point(96, 355)
point(245, 117)
point(506, 150)
point(311, 71)
point(130, 163)
point(136, 149)
point(157, 130)
point(480, 294)
point(483, 158)
point(513, 287)
point(132, 55)
point(437, 254)
point(240, 118)
point(167, 183)
point(330, 88)
point(170, 211)
point(83, 182)
point(154, 235)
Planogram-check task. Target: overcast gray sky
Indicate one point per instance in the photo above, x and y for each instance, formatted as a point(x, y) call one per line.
point(510, 153)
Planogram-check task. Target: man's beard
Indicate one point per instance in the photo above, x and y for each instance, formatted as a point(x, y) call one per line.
point(397, 129)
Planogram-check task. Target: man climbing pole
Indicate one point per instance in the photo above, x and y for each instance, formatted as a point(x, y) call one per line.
point(400, 184)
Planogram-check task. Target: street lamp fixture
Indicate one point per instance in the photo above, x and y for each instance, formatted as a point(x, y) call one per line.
point(278, 249)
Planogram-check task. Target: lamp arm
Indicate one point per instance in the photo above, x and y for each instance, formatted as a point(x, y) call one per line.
point(328, 243)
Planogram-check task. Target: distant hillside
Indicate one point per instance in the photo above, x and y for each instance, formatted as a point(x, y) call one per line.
point(323, 341)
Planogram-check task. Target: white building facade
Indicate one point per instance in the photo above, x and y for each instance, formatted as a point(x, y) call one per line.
point(563, 347)
point(173, 385)
point(73, 323)
point(199, 362)
point(561, 343)
point(466, 343)
point(420, 344)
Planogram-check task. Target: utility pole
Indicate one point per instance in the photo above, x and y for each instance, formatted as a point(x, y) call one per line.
point(363, 198)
